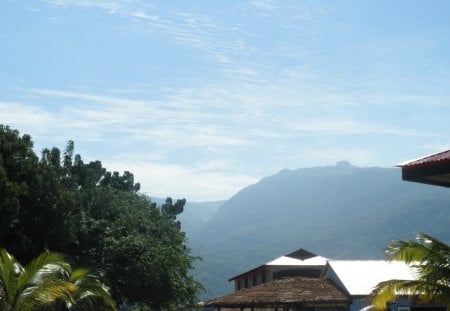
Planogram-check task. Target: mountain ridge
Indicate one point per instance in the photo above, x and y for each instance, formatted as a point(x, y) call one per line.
point(339, 212)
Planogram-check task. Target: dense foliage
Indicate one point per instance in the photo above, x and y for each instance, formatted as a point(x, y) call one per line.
point(431, 260)
point(57, 202)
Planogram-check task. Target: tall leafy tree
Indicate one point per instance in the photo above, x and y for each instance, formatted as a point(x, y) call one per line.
point(60, 203)
point(34, 207)
point(145, 251)
point(431, 260)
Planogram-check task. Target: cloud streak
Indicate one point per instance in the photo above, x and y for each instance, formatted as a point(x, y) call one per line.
point(192, 182)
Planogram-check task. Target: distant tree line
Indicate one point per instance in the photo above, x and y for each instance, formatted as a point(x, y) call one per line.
point(57, 202)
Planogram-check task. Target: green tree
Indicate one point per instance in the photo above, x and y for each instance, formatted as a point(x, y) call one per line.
point(34, 207)
point(431, 260)
point(60, 203)
point(146, 255)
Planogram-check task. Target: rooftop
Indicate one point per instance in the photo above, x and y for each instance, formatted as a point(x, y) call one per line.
point(284, 291)
point(360, 277)
point(440, 157)
point(289, 261)
point(433, 169)
point(299, 257)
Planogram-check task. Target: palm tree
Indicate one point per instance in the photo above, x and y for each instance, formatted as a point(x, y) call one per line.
point(90, 295)
point(430, 258)
point(35, 286)
point(48, 282)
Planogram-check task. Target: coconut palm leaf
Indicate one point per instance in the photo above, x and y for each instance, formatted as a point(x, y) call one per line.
point(91, 291)
point(90, 295)
point(47, 264)
point(34, 286)
point(430, 258)
point(43, 294)
point(10, 270)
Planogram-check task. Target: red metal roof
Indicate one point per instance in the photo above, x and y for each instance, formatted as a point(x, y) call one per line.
point(442, 157)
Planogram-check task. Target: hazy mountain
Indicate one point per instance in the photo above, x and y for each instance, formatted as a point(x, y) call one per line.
point(195, 214)
point(337, 211)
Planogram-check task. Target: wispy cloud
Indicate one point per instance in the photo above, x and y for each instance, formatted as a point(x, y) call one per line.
point(24, 115)
point(162, 122)
point(264, 4)
point(110, 6)
point(353, 127)
point(202, 32)
point(191, 182)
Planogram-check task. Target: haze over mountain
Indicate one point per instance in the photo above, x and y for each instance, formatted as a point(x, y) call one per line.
point(341, 212)
point(196, 214)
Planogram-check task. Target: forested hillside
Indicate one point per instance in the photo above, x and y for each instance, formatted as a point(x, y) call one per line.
point(338, 211)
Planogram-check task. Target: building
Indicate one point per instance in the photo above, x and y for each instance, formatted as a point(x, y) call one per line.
point(302, 280)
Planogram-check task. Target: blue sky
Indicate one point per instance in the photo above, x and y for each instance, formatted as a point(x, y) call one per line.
point(202, 98)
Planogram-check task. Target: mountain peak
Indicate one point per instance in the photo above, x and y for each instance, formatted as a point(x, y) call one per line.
point(344, 164)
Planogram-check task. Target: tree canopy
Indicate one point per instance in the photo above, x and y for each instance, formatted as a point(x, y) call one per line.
point(59, 203)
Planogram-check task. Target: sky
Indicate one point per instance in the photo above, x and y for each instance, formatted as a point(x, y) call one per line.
point(200, 99)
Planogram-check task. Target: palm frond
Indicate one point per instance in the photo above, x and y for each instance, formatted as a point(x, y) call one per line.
point(10, 271)
point(425, 249)
point(430, 258)
point(41, 295)
point(47, 264)
point(388, 291)
point(91, 291)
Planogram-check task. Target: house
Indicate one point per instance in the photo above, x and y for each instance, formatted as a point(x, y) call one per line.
point(341, 285)
point(302, 280)
point(298, 263)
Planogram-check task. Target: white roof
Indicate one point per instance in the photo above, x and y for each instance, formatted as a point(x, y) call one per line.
point(360, 277)
point(289, 261)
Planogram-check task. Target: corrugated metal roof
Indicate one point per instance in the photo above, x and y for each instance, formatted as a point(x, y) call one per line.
point(360, 277)
point(289, 261)
point(443, 156)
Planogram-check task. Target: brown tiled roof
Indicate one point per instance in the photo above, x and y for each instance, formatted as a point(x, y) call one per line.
point(442, 157)
point(306, 291)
